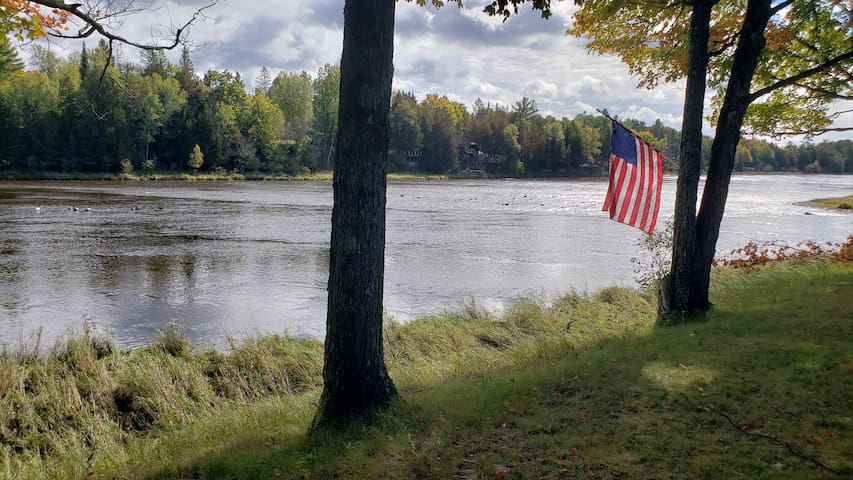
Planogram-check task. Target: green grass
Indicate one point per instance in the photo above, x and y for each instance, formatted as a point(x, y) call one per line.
point(583, 388)
point(843, 203)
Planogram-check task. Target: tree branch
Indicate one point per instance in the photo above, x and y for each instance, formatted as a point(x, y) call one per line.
point(824, 92)
point(780, 442)
point(93, 24)
point(815, 133)
point(780, 7)
point(804, 74)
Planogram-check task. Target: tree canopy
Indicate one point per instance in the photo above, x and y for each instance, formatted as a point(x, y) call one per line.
point(804, 68)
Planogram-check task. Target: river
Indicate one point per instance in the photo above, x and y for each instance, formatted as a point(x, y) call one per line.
point(236, 259)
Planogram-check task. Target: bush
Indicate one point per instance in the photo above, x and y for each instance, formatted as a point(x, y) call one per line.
point(655, 263)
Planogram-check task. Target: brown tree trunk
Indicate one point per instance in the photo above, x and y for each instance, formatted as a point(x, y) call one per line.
point(356, 381)
point(723, 150)
point(676, 289)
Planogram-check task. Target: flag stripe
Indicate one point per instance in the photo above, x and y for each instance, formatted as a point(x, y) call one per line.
point(640, 199)
point(636, 176)
point(654, 212)
point(627, 194)
point(647, 192)
point(608, 199)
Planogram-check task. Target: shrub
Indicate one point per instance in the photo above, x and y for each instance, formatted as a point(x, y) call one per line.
point(654, 264)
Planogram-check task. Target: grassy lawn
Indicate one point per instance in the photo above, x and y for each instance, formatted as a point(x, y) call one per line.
point(585, 388)
point(844, 203)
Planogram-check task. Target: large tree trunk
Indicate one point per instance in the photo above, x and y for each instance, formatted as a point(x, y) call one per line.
point(723, 150)
point(356, 381)
point(676, 289)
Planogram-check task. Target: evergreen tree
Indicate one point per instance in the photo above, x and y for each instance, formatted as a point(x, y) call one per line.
point(263, 81)
point(10, 62)
point(84, 62)
point(155, 61)
point(186, 71)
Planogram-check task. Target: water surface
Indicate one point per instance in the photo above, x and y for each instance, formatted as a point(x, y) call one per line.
point(234, 259)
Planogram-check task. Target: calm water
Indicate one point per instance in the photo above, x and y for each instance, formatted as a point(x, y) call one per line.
point(235, 259)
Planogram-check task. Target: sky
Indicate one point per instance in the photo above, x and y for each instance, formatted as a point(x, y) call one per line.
point(461, 53)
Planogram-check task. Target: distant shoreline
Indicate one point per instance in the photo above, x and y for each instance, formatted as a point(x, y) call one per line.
point(325, 176)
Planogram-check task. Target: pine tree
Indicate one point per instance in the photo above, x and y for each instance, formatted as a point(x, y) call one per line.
point(84, 62)
point(263, 81)
point(186, 71)
point(10, 62)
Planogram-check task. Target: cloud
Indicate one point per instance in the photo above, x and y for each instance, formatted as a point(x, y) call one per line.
point(463, 54)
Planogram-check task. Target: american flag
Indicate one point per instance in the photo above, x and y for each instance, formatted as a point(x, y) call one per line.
point(636, 175)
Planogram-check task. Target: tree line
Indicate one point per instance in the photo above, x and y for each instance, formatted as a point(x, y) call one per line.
point(91, 113)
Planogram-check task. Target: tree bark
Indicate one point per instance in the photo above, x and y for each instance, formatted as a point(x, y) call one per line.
point(676, 288)
point(356, 381)
point(723, 149)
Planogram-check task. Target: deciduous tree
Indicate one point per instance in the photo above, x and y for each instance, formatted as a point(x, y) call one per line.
point(355, 380)
point(775, 67)
point(326, 103)
point(293, 93)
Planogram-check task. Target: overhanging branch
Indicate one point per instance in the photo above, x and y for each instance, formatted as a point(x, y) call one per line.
point(815, 133)
point(844, 57)
point(93, 24)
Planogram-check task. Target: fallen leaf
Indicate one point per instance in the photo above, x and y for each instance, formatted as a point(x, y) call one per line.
point(573, 452)
point(685, 366)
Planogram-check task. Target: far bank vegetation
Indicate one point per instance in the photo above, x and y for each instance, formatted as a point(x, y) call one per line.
point(158, 111)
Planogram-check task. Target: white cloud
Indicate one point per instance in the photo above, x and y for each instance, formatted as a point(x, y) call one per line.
point(463, 54)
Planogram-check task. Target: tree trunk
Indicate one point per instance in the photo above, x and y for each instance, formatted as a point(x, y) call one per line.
point(723, 150)
point(676, 289)
point(356, 381)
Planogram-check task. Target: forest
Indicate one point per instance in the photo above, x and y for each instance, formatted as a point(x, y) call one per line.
point(94, 113)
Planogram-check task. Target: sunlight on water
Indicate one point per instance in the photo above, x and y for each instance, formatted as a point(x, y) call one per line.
point(236, 259)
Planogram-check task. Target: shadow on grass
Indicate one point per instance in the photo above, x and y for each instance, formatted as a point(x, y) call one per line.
point(760, 389)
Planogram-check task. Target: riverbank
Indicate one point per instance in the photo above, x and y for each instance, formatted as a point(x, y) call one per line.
point(841, 203)
point(583, 388)
point(325, 176)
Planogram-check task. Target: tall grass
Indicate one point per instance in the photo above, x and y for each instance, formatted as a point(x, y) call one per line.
point(579, 387)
